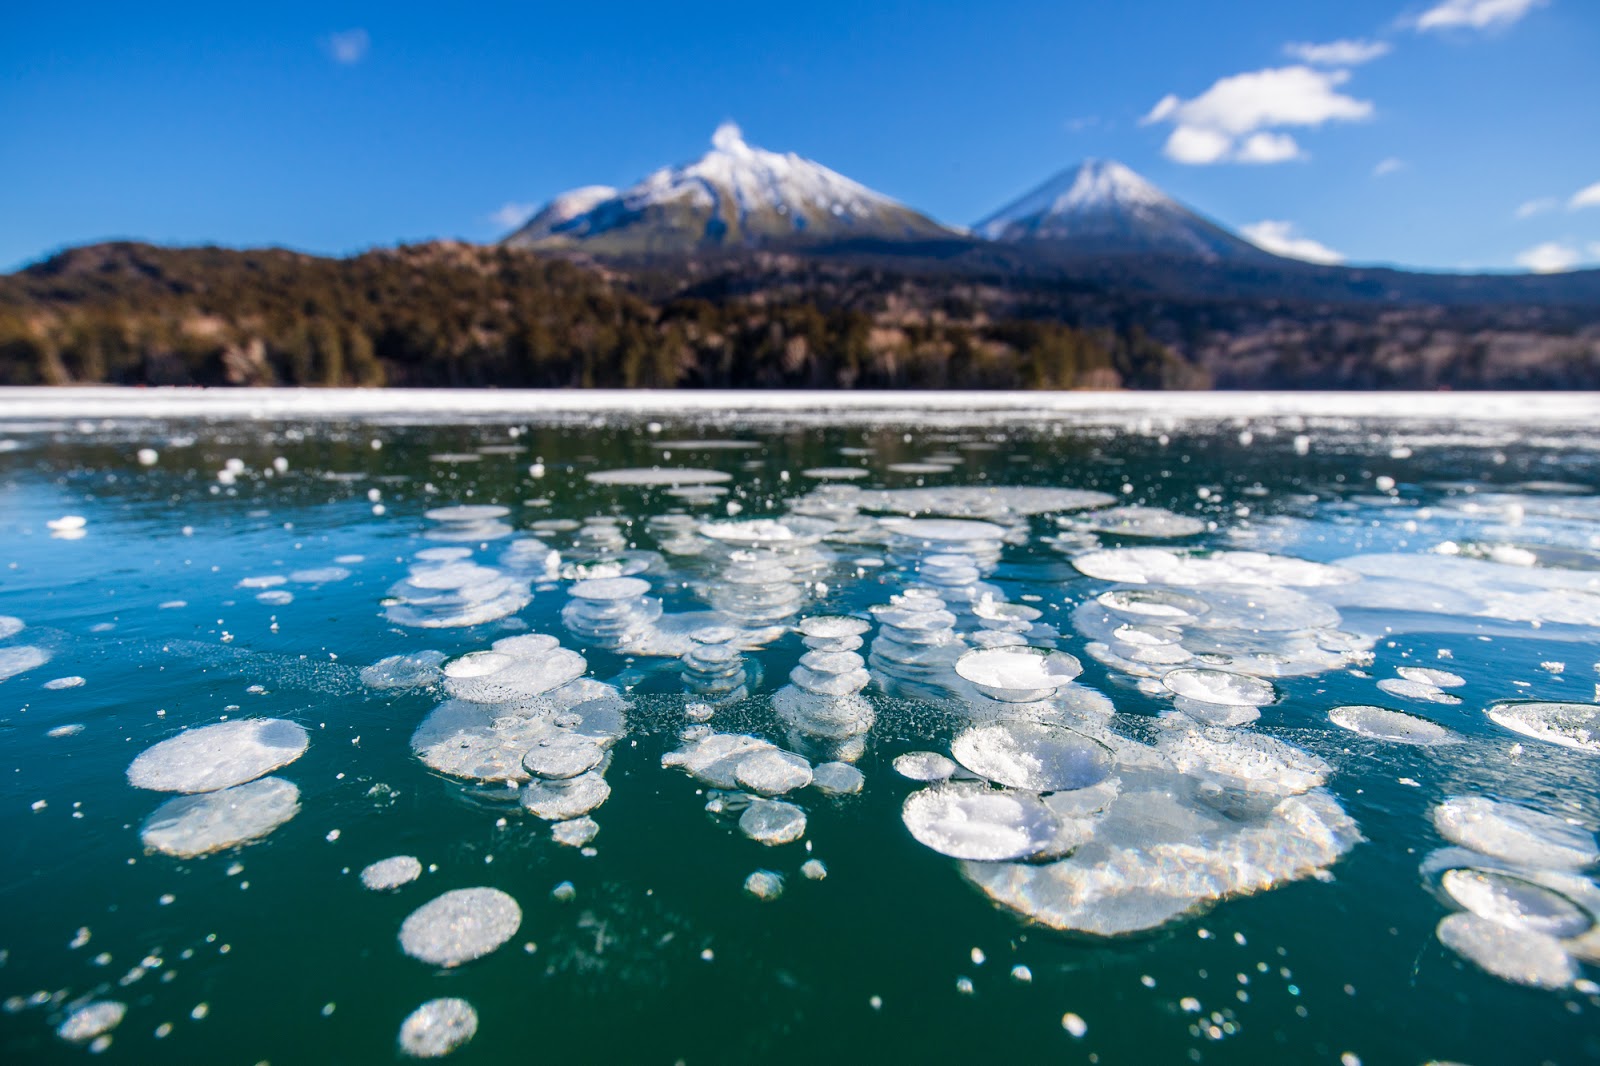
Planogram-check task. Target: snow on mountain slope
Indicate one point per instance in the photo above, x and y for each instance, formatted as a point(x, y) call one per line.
point(734, 195)
point(1102, 207)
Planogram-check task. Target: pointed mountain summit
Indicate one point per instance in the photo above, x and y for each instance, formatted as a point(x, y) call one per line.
point(1100, 207)
point(735, 195)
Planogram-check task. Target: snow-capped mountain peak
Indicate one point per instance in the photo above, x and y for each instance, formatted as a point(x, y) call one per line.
point(735, 194)
point(1101, 206)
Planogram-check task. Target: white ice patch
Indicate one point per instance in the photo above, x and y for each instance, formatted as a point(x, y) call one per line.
point(460, 926)
point(91, 1020)
point(924, 766)
point(1038, 756)
point(773, 822)
point(391, 872)
point(968, 820)
point(559, 801)
point(437, 1028)
point(654, 476)
point(1514, 833)
point(837, 779)
point(21, 659)
point(1571, 725)
point(773, 772)
point(1515, 902)
point(218, 756)
point(1517, 955)
point(1380, 723)
point(189, 826)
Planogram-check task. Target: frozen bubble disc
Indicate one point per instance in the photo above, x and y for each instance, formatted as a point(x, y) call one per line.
point(1220, 687)
point(605, 589)
point(559, 801)
point(437, 1028)
point(189, 826)
point(460, 926)
point(92, 1019)
point(1018, 674)
point(773, 822)
point(391, 873)
point(1153, 603)
point(968, 820)
point(1037, 756)
point(1517, 955)
point(1516, 834)
point(1514, 902)
point(218, 756)
point(1380, 723)
point(1571, 725)
point(563, 755)
point(657, 476)
point(773, 772)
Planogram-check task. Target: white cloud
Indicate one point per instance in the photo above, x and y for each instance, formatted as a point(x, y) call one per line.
point(1267, 148)
point(1594, 249)
point(1537, 207)
point(348, 47)
point(1551, 257)
point(1238, 118)
point(1385, 167)
point(513, 215)
point(1197, 146)
point(1589, 197)
point(1343, 53)
point(1474, 14)
point(1279, 238)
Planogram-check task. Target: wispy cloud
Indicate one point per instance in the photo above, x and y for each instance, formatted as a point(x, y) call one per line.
point(513, 215)
point(1392, 165)
point(1537, 207)
point(1551, 257)
point(1279, 238)
point(1239, 118)
point(1587, 197)
point(1474, 14)
point(347, 47)
point(1341, 53)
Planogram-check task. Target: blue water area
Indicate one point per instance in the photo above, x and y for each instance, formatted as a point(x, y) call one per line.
point(783, 739)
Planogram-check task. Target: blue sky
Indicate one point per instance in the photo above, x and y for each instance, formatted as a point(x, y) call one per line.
point(1452, 134)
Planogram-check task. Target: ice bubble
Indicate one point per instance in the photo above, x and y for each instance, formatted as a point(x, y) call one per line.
point(832, 627)
point(563, 755)
point(20, 660)
point(1518, 955)
point(1153, 603)
point(391, 872)
point(1160, 566)
point(92, 1019)
point(1220, 687)
point(836, 473)
point(1380, 723)
point(1018, 673)
point(1572, 725)
point(1037, 756)
point(1514, 833)
point(924, 766)
point(483, 742)
point(1252, 762)
point(416, 670)
point(765, 885)
point(837, 779)
point(10, 626)
point(189, 826)
point(218, 756)
point(968, 820)
point(657, 476)
point(496, 677)
point(459, 926)
point(60, 683)
point(1416, 690)
point(714, 759)
point(148, 457)
point(813, 870)
point(773, 772)
point(321, 575)
point(71, 523)
point(1138, 521)
point(944, 530)
point(558, 801)
point(1515, 902)
point(575, 832)
point(1006, 502)
point(1429, 676)
point(275, 597)
point(773, 822)
point(437, 1028)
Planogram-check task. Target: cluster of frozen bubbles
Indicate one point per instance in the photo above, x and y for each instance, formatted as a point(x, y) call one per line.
point(1052, 802)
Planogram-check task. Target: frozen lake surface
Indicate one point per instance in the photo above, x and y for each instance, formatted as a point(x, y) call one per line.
point(631, 727)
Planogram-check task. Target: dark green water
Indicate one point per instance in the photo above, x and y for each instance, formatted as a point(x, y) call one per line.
point(295, 962)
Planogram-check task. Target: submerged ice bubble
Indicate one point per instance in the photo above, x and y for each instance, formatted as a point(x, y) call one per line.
point(437, 1028)
point(559, 801)
point(391, 872)
point(968, 820)
point(1018, 674)
point(773, 822)
point(19, 660)
point(1038, 756)
point(189, 826)
point(1380, 723)
point(218, 756)
point(91, 1020)
point(1515, 902)
point(1514, 833)
point(1519, 955)
point(1571, 725)
point(459, 926)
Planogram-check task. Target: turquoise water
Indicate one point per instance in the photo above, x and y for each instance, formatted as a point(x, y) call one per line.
point(1469, 549)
